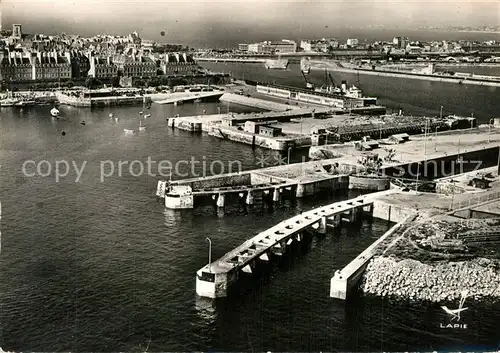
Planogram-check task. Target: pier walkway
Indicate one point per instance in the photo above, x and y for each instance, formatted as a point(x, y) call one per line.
point(243, 188)
point(346, 280)
point(181, 97)
point(214, 279)
point(279, 116)
point(257, 102)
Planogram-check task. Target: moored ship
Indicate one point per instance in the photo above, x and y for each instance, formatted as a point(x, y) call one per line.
point(8, 102)
point(348, 99)
point(344, 90)
point(25, 103)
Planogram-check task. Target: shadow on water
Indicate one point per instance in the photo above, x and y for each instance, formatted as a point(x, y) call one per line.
point(235, 204)
point(388, 325)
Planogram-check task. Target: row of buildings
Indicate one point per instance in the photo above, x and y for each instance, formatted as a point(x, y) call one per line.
point(64, 57)
point(16, 66)
point(290, 46)
point(398, 46)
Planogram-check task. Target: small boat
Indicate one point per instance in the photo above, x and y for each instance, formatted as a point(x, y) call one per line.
point(54, 112)
point(111, 115)
point(128, 131)
point(147, 116)
point(8, 102)
point(25, 103)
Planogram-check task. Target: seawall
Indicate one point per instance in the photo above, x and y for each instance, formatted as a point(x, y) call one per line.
point(232, 60)
point(436, 78)
point(116, 100)
point(73, 100)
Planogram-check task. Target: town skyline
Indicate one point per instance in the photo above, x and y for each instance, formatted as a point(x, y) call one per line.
point(218, 24)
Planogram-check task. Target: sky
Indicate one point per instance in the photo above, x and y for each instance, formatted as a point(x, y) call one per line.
point(230, 21)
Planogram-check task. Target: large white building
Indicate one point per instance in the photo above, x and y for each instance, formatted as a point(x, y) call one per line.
point(352, 42)
point(272, 47)
point(17, 31)
point(319, 45)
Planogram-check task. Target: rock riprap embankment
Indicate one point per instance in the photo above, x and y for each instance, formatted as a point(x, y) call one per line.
point(441, 281)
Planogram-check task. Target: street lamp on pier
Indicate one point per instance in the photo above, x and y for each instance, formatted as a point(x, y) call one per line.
point(427, 126)
point(289, 150)
point(489, 129)
point(427, 123)
point(209, 254)
point(435, 138)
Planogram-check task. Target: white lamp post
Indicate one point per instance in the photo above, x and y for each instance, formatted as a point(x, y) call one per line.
point(209, 254)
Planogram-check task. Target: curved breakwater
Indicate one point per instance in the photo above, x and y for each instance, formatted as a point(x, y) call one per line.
point(437, 78)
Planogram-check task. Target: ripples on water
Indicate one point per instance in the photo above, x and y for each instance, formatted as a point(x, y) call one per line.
point(94, 266)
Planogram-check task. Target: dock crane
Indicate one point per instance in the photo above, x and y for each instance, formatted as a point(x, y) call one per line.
point(308, 83)
point(331, 87)
point(331, 80)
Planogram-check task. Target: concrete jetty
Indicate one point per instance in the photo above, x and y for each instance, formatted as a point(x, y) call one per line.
point(214, 279)
point(279, 116)
point(273, 183)
point(345, 281)
point(196, 123)
point(215, 122)
point(182, 97)
point(259, 129)
point(229, 126)
point(256, 102)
